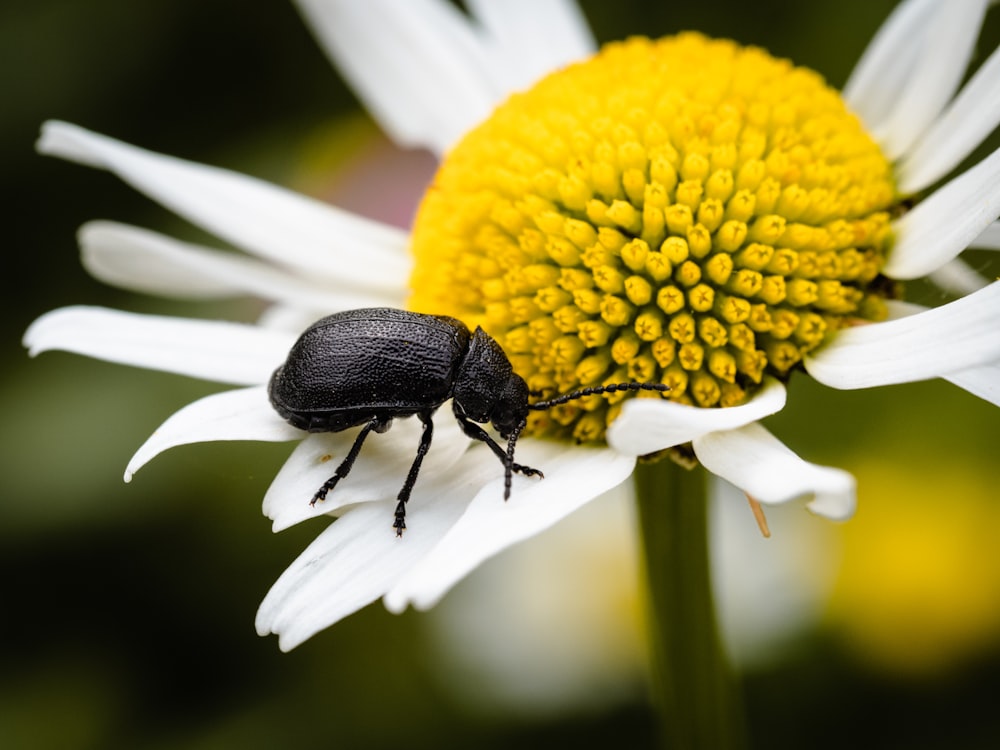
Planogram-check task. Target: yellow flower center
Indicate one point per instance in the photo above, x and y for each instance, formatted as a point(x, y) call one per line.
point(685, 211)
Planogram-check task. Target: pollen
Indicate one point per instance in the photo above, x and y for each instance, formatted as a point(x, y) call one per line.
point(685, 211)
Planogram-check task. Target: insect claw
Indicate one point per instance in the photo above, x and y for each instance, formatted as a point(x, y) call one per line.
point(527, 471)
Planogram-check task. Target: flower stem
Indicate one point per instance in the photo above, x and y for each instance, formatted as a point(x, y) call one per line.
point(694, 689)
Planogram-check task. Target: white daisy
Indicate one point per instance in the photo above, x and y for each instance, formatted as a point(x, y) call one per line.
point(433, 77)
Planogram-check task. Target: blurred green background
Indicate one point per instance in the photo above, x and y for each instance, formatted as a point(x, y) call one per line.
point(128, 609)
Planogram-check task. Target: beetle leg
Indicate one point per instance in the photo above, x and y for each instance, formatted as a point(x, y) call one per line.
point(476, 432)
point(344, 469)
point(404, 494)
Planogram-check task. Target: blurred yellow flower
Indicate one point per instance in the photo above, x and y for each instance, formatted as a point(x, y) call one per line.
point(919, 587)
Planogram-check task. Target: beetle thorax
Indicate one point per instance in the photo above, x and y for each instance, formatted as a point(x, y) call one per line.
point(487, 389)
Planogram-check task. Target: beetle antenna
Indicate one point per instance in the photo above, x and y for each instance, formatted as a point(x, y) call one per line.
point(509, 463)
point(610, 388)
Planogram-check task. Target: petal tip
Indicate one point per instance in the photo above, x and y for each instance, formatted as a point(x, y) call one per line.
point(63, 139)
point(837, 506)
point(395, 603)
point(30, 338)
point(46, 135)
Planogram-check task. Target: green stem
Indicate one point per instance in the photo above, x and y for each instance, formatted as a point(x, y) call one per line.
point(695, 691)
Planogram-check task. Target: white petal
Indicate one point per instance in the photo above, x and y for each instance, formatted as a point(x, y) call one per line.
point(243, 414)
point(143, 261)
point(573, 477)
point(958, 278)
point(347, 567)
point(947, 221)
point(970, 117)
point(358, 558)
point(939, 342)
point(989, 239)
point(419, 66)
point(763, 467)
point(648, 425)
point(378, 473)
point(535, 37)
point(945, 50)
point(153, 263)
point(214, 350)
point(888, 61)
point(263, 219)
point(983, 381)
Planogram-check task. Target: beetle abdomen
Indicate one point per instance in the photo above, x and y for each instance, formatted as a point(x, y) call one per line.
point(351, 366)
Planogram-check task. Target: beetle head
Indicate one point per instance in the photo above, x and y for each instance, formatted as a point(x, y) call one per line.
point(487, 389)
point(511, 410)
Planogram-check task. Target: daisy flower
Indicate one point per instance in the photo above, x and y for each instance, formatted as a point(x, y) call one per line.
point(684, 210)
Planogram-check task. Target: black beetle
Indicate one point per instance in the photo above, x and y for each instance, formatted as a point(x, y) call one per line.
point(366, 367)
